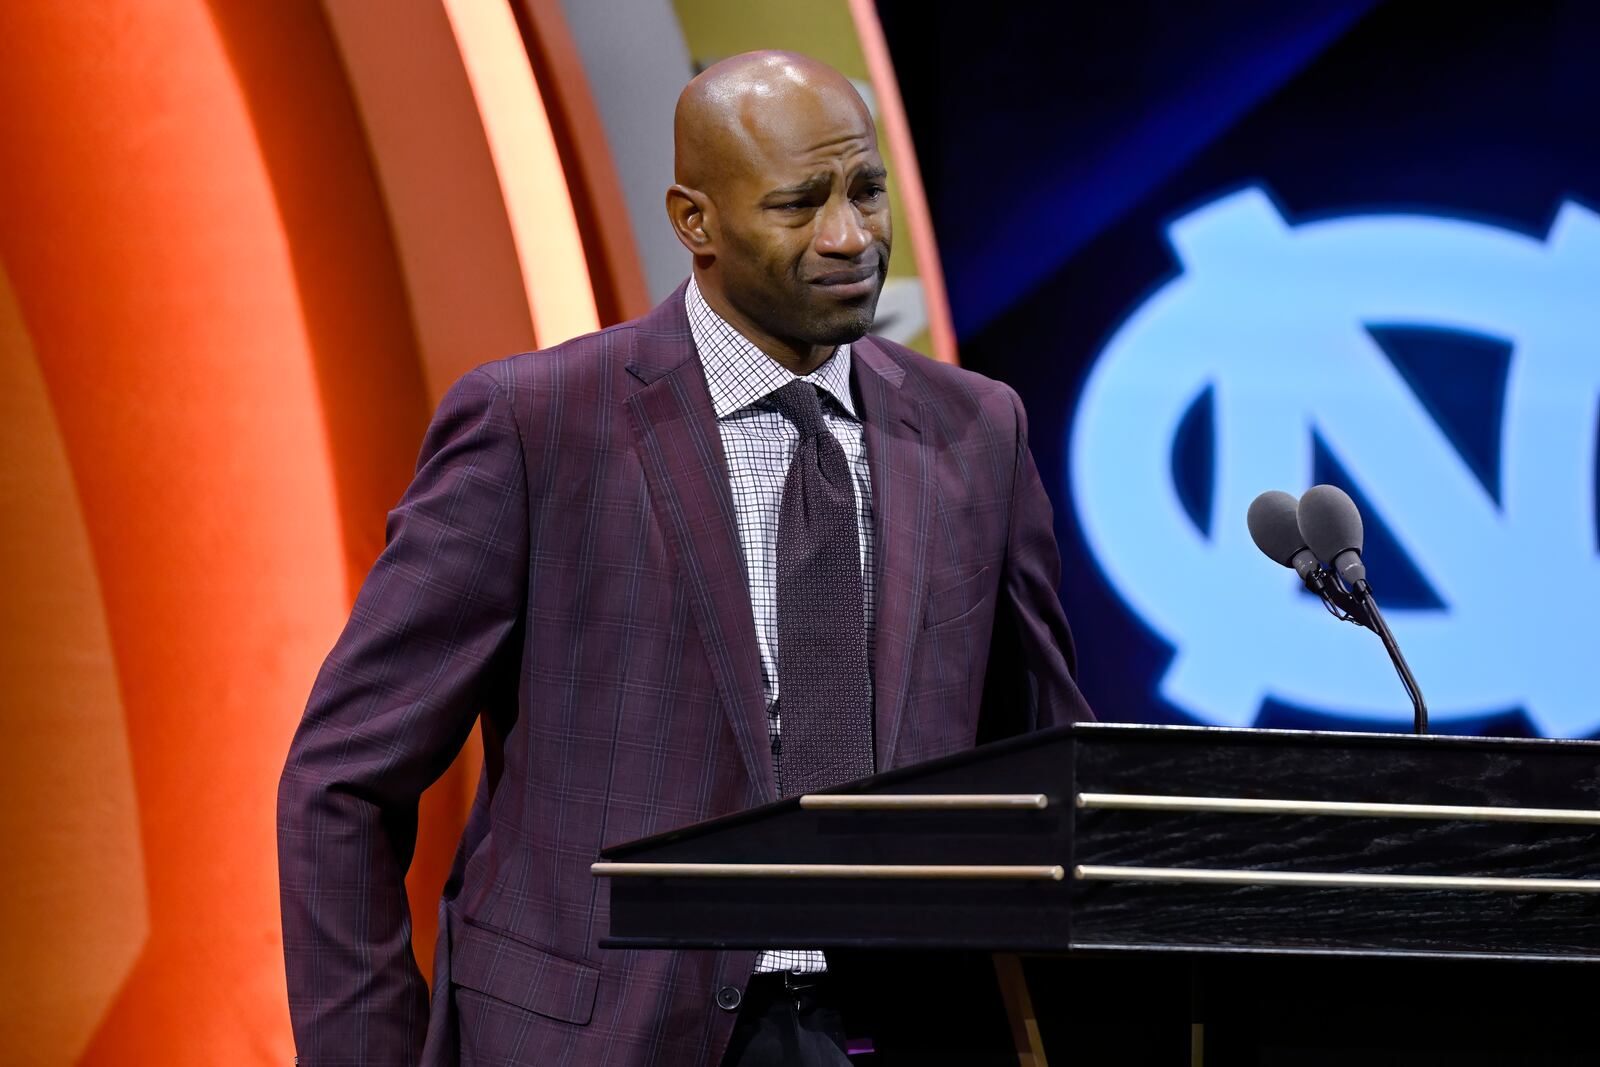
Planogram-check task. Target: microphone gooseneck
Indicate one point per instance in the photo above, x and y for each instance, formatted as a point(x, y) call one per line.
point(1374, 621)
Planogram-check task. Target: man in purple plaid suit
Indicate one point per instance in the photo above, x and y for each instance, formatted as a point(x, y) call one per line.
point(597, 561)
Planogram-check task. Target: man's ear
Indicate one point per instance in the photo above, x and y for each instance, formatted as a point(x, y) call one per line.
point(690, 211)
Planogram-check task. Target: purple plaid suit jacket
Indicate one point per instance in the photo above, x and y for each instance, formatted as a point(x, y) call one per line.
point(566, 563)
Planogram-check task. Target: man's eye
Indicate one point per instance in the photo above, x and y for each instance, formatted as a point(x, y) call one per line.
point(872, 192)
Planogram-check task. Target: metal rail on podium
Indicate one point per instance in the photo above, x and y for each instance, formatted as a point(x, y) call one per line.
point(1110, 838)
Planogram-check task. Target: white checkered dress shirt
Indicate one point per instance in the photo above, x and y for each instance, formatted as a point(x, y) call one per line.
point(759, 443)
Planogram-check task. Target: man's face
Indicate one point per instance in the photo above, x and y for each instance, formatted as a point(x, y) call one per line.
point(803, 221)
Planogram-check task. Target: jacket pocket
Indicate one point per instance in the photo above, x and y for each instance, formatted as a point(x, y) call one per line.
point(503, 966)
point(954, 601)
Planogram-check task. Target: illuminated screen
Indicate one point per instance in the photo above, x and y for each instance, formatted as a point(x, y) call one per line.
point(1220, 252)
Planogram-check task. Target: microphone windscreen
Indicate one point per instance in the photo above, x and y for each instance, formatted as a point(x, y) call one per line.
point(1329, 521)
point(1273, 526)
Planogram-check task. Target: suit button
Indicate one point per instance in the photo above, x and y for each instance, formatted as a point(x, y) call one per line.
point(728, 998)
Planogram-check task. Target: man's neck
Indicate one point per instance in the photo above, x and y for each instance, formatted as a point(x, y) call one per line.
point(797, 359)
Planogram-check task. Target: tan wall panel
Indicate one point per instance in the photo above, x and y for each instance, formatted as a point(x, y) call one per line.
point(73, 916)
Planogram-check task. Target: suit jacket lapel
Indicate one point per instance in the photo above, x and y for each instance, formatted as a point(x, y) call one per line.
point(902, 507)
point(676, 433)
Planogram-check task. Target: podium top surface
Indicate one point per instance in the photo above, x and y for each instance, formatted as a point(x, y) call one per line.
point(1131, 734)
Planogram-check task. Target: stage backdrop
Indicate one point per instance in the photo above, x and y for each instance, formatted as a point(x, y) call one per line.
point(1225, 248)
point(244, 249)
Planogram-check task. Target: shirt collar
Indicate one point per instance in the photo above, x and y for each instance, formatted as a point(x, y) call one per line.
point(739, 374)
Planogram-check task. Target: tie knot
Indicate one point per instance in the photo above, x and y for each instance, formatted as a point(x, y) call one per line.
point(799, 403)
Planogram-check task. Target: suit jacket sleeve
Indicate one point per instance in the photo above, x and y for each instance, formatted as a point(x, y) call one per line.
point(392, 706)
point(1029, 615)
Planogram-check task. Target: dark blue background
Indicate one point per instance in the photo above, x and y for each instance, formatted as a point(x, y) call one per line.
point(1057, 141)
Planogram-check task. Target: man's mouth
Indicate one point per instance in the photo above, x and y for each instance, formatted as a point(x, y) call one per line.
point(848, 284)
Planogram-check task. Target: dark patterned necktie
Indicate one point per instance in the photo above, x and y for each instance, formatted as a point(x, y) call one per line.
point(824, 686)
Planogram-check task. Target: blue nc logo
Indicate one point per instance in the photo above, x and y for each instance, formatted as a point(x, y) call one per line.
point(1275, 325)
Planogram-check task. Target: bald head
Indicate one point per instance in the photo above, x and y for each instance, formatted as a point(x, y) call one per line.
point(737, 111)
point(780, 196)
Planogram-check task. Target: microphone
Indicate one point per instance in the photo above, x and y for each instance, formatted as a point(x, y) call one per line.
point(1331, 524)
point(1276, 532)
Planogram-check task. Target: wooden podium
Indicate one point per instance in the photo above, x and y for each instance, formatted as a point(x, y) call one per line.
point(1104, 838)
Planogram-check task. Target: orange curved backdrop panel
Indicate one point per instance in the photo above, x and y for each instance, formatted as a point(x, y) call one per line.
point(224, 324)
point(151, 264)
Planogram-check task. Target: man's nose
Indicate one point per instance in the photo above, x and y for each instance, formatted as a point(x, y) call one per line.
point(841, 231)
